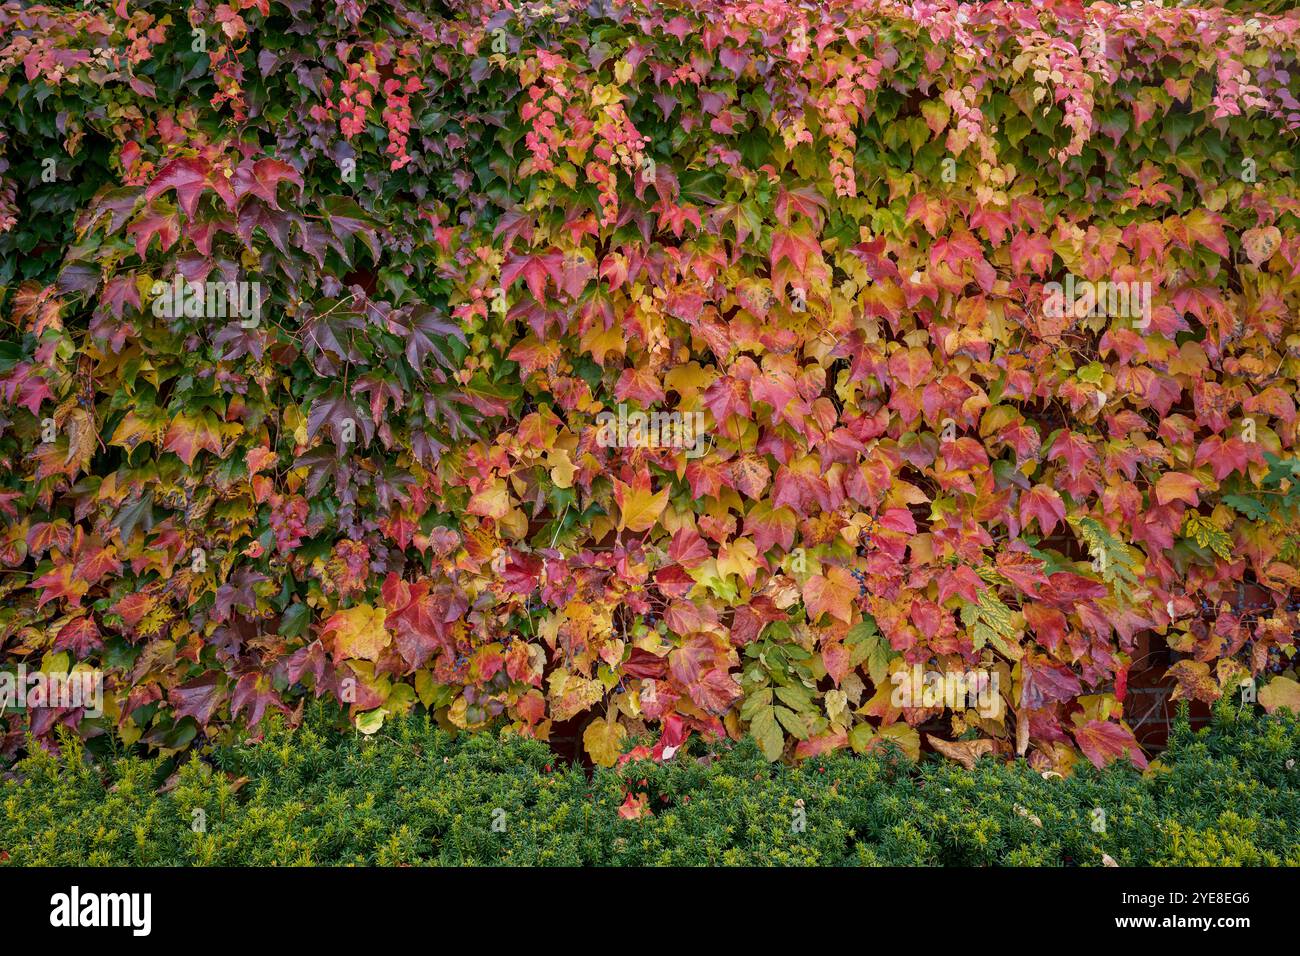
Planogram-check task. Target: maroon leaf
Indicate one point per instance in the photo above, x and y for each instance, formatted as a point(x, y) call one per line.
point(200, 697)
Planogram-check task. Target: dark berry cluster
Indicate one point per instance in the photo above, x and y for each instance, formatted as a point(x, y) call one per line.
point(861, 578)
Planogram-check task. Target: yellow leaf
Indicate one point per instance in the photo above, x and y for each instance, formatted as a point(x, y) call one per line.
point(690, 379)
point(548, 629)
point(603, 740)
point(1280, 692)
point(425, 686)
point(296, 424)
point(599, 341)
point(359, 632)
point(514, 525)
point(739, 557)
point(906, 737)
point(652, 642)
point(492, 502)
point(561, 468)
point(133, 430)
point(82, 434)
point(55, 663)
point(570, 694)
point(566, 174)
point(458, 714)
point(370, 721)
point(639, 508)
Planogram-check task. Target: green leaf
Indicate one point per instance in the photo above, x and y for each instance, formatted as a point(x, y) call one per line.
point(1115, 560)
point(1206, 535)
point(371, 721)
point(868, 647)
point(138, 513)
point(797, 724)
point(295, 620)
point(991, 622)
point(765, 730)
point(1252, 508)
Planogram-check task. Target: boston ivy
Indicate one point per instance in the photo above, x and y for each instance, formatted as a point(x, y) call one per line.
point(315, 317)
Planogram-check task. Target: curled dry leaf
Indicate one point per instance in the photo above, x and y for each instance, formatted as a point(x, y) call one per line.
point(965, 752)
point(1031, 817)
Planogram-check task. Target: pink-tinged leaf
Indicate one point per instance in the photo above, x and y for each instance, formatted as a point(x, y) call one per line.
point(1045, 682)
point(797, 246)
point(308, 660)
point(961, 581)
point(727, 396)
point(1200, 226)
point(821, 744)
point(1225, 457)
point(189, 177)
point(749, 620)
point(641, 385)
point(535, 269)
point(1075, 450)
point(1043, 504)
point(1103, 742)
point(1066, 587)
point(930, 211)
point(261, 179)
point(806, 202)
point(911, 366)
point(634, 807)
point(688, 548)
point(1047, 623)
point(1034, 251)
point(701, 665)
point(838, 661)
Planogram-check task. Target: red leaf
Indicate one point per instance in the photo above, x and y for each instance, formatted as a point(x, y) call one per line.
point(254, 694)
point(1023, 571)
point(1103, 742)
point(1045, 505)
point(189, 177)
point(911, 366)
point(152, 223)
point(261, 179)
point(81, 636)
point(701, 667)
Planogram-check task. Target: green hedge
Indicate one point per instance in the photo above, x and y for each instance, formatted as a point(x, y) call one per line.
point(1229, 795)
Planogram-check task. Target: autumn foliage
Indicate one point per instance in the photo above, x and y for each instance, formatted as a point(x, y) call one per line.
point(852, 241)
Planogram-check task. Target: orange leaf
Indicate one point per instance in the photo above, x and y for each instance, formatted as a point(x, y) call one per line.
point(1176, 486)
point(832, 594)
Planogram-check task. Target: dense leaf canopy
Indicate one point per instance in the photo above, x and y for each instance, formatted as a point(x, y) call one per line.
point(691, 367)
